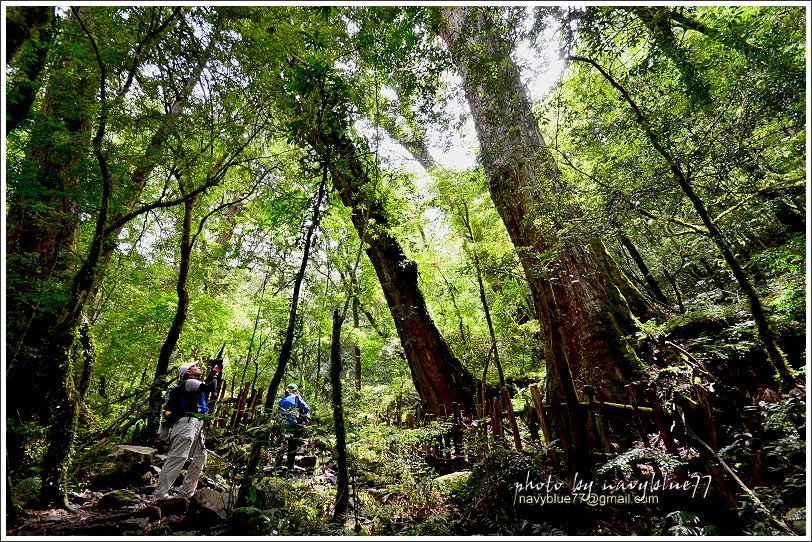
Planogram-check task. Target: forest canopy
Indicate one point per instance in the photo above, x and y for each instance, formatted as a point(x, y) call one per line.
point(611, 288)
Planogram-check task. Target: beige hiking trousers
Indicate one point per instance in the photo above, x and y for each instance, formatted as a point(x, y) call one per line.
point(187, 441)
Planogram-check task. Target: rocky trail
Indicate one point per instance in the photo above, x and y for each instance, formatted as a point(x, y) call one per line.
point(118, 501)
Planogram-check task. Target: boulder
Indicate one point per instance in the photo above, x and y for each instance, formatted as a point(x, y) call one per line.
point(123, 465)
point(216, 501)
point(172, 506)
point(117, 499)
point(452, 481)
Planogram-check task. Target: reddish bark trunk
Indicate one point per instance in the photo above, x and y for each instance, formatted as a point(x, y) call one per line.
point(439, 377)
point(584, 317)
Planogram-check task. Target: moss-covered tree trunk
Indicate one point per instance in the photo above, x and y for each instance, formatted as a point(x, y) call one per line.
point(42, 234)
point(31, 30)
point(342, 478)
point(58, 348)
point(60, 389)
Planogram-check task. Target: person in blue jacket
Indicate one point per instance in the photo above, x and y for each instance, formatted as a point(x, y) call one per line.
point(294, 412)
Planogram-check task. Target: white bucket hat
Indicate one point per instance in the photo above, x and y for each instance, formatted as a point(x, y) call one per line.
point(185, 367)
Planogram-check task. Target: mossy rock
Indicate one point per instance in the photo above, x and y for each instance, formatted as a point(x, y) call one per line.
point(123, 465)
point(450, 483)
point(25, 492)
point(214, 464)
point(117, 499)
point(693, 324)
point(249, 521)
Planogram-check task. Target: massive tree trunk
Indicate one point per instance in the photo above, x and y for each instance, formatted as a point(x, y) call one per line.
point(585, 319)
point(42, 235)
point(439, 377)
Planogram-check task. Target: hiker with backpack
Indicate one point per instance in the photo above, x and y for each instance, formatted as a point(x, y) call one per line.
point(184, 412)
point(294, 413)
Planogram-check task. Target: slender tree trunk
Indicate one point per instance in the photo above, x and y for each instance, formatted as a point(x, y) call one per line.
point(342, 479)
point(482, 297)
point(87, 352)
point(287, 345)
point(356, 349)
point(173, 335)
point(654, 288)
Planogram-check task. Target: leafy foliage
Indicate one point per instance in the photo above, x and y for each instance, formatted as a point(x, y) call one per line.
point(723, 87)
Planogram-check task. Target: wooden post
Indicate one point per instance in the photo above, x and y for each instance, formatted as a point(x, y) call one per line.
point(240, 405)
point(707, 416)
point(607, 432)
point(668, 440)
point(514, 427)
point(255, 402)
point(542, 417)
point(484, 430)
point(641, 427)
point(595, 418)
point(246, 413)
point(758, 462)
point(496, 419)
point(529, 415)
